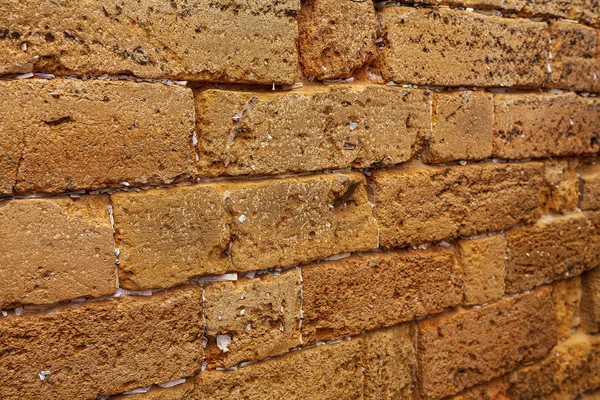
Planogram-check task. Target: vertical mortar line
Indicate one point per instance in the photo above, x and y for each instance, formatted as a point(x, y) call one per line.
point(299, 269)
point(416, 383)
point(116, 249)
point(549, 63)
point(204, 337)
point(506, 250)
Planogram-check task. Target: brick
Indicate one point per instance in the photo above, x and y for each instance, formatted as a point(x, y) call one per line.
point(553, 248)
point(493, 390)
point(259, 316)
point(312, 128)
point(102, 348)
point(567, 299)
point(206, 41)
point(482, 261)
point(420, 205)
point(590, 301)
point(76, 135)
point(537, 125)
point(573, 47)
point(374, 290)
point(280, 222)
point(55, 249)
point(463, 125)
point(467, 347)
point(184, 391)
point(589, 184)
point(10, 155)
point(168, 236)
point(563, 185)
point(336, 37)
point(445, 47)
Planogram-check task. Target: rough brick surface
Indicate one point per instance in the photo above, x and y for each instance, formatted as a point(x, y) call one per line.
point(549, 250)
point(75, 134)
point(375, 290)
point(567, 299)
point(590, 301)
point(464, 348)
point(589, 184)
point(55, 249)
point(419, 205)
point(233, 41)
point(313, 128)
point(258, 317)
point(445, 47)
point(336, 37)
point(563, 185)
point(538, 125)
point(10, 155)
point(102, 348)
point(184, 391)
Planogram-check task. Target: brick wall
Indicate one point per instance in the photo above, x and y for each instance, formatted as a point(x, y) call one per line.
point(316, 199)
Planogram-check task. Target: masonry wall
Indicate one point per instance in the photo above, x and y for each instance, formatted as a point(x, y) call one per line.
point(333, 199)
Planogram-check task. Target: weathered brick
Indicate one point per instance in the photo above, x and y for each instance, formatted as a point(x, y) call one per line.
point(463, 124)
point(374, 290)
point(75, 134)
point(55, 249)
point(482, 262)
point(493, 390)
point(168, 236)
point(461, 349)
point(102, 348)
point(184, 391)
point(553, 248)
point(313, 128)
point(589, 184)
point(336, 37)
point(279, 222)
point(536, 125)
point(10, 154)
point(563, 185)
point(590, 301)
point(421, 204)
point(445, 47)
point(567, 298)
point(255, 318)
point(232, 41)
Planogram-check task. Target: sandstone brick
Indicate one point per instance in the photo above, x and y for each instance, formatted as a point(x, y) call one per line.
point(102, 348)
point(463, 125)
point(75, 134)
point(461, 349)
point(313, 128)
point(496, 389)
point(374, 290)
point(590, 301)
point(10, 155)
point(563, 185)
point(537, 125)
point(445, 47)
point(336, 37)
point(168, 236)
point(279, 222)
point(551, 249)
point(55, 249)
point(260, 317)
point(567, 298)
point(589, 184)
point(232, 42)
point(184, 391)
point(482, 262)
point(419, 205)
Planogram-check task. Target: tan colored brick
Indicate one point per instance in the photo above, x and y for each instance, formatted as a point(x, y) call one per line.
point(336, 37)
point(463, 124)
point(421, 204)
point(445, 47)
point(90, 134)
point(102, 348)
point(230, 42)
point(55, 249)
point(280, 222)
point(464, 348)
point(374, 290)
point(563, 185)
point(553, 248)
point(168, 236)
point(567, 298)
point(589, 184)
point(10, 154)
point(536, 125)
point(590, 301)
point(184, 391)
point(260, 317)
point(313, 128)
point(482, 262)
point(493, 390)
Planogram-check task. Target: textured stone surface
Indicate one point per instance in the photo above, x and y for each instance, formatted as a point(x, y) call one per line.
point(590, 301)
point(589, 184)
point(168, 236)
point(336, 37)
point(563, 185)
point(374, 290)
point(482, 261)
point(102, 348)
point(549, 250)
point(496, 389)
point(467, 347)
point(567, 298)
point(259, 316)
point(55, 249)
point(536, 125)
point(231, 41)
point(184, 391)
point(75, 134)
point(445, 47)
point(420, 205)
point(463, 124)
point(313, 128)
